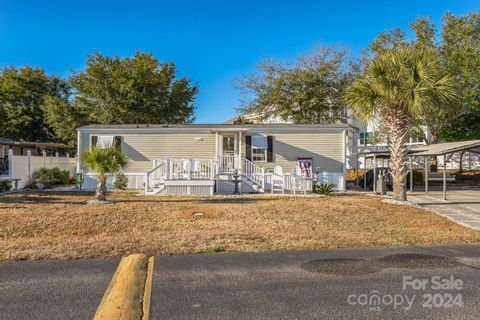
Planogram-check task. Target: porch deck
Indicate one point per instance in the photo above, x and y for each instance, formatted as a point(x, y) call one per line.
point(209, 176)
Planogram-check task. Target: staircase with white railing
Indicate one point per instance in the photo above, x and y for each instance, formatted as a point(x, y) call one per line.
point(155, 180)
point(183, 173)
point(253, 174)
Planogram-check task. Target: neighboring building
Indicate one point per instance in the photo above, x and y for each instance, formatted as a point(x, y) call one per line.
point(203, 158)
point(24, 148)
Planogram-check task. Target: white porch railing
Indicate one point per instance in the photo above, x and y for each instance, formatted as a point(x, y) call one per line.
point(226, 163)
point(190, 169)
point(291, 182)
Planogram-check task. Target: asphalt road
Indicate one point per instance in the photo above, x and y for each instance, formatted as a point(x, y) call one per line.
point(53, 289)
point(320, 284)
point(313, 284)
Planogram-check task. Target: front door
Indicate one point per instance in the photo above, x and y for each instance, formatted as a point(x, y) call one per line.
point(229, 149)
point(228, 143)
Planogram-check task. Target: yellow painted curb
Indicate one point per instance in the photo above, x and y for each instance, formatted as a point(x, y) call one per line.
point(148, 289)
point(125, 295)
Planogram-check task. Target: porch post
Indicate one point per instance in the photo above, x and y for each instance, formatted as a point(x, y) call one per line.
point(240, 151)
point(444, 177)
point(374, 173)
point(216, 145)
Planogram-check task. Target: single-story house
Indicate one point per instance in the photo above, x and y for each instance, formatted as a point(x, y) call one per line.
point(204, 159)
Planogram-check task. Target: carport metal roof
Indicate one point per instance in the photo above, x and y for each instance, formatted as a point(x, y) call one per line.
point(446, 148)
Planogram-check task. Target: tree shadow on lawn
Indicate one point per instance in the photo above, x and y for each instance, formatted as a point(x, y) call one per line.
point(48, 197)
point(196, 200)
point(53, 197)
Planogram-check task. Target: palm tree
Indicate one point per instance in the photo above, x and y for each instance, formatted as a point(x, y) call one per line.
point(104, 162)
point(396, 87)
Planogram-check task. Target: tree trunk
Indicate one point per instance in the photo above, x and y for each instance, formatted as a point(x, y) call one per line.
point(101, 192)
point(397, 119)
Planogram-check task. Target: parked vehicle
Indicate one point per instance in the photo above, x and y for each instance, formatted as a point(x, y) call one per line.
point(387, 175)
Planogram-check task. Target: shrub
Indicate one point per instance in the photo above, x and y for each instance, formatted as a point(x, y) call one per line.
point(121, 181)
point(5, 185)
point(325, 188)
point(50, 177)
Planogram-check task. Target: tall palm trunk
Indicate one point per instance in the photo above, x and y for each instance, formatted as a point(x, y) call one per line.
point(101, 191)
point(398, 120)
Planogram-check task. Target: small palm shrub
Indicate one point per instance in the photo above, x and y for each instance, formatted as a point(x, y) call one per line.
point(325, 188)
point(121, 181)
point(5, 185)
point(103, 162)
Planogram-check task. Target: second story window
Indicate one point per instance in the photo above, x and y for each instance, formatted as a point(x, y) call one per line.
point(367, 138)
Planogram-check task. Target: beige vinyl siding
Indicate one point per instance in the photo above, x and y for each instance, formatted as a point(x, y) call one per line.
point(325, 148)
point(142, 149)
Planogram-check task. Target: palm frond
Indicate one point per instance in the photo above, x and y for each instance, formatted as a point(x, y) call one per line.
point(104, 161)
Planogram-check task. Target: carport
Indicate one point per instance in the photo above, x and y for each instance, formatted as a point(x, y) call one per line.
point(446, 151)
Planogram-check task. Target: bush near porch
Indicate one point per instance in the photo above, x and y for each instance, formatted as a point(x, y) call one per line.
point(45, 225)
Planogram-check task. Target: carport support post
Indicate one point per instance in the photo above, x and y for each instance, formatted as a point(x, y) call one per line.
point(374, 173)
point(444, 177)
point(425, 174)
point(365, 171)
point(411, 174)
point(356, 170)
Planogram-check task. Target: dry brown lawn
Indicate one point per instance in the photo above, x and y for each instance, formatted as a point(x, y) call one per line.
point(38, 225)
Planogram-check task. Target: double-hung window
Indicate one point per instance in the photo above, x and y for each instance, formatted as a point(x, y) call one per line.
point(259, 148)
point(106, 141)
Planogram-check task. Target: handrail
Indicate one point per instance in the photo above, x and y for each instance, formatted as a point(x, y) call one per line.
point(253, 172)
point(152, 174)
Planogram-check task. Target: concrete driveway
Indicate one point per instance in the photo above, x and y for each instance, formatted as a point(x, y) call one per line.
point(462, 205)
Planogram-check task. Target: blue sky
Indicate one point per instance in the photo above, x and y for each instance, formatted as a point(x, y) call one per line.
point(212, 42)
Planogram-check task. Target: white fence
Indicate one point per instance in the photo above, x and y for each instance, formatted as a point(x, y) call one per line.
point(337, 179)
point(22, 167)
point(135, 181)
